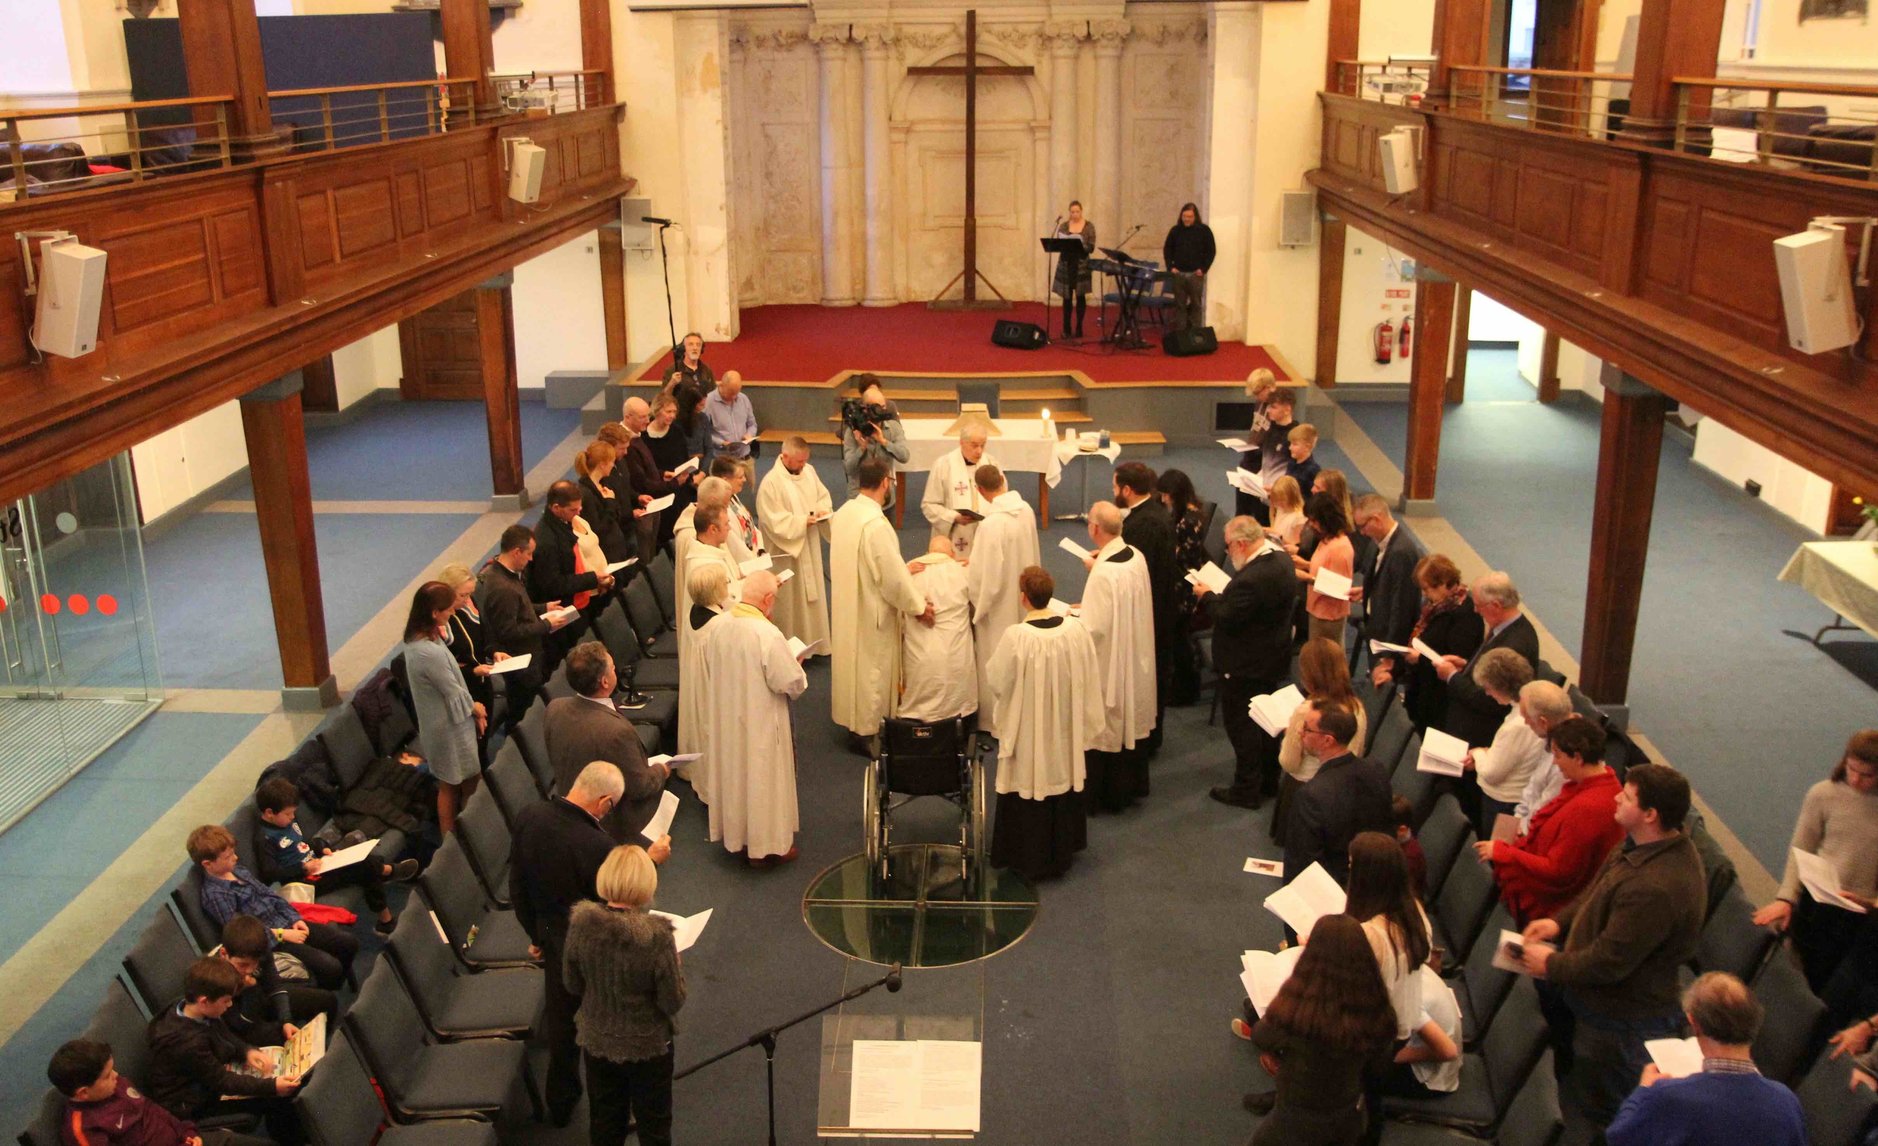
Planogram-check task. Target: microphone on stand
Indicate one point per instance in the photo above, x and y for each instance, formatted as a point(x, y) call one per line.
point(893, 978)
point(656, 219)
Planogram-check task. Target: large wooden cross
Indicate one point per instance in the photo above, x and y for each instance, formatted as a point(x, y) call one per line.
point(971, 71)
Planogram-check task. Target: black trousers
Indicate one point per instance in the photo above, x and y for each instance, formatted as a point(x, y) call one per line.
point(557, 1030)
point(622, 1093)
point(364, 875)
point(327, 953)
point(1255, 752)
point(1081, 307)
point(277, 1114)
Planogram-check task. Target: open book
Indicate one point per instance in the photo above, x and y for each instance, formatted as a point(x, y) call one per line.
point(1245, 481)
point(1822, 881)
point(1212, 576)
point(297, 1057)
point(1263, 972)
point(1238, 444)
point(1442, 754)
point(560, 616)
point(1063, 608)
point(688, 927)
point(686, 465)
point(1306, 899)
point(1272, 711)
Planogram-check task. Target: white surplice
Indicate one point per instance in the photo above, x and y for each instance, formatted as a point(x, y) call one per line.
point(870, 589)
point(1118, 611)
point(783, 504)
point(691, 692)
point(949, 488)
point(743, 531)
point(938, 669)
point(1046, 692)
point(1005, 546)
point(750, 678)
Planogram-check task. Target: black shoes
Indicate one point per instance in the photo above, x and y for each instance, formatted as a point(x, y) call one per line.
point(1261, 1102)
point(404, 871)
point(1228, 796)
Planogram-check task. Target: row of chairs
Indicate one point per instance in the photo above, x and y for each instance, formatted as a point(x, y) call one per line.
point(1503, 1032)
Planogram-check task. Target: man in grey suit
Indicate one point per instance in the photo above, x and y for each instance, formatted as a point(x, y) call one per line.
point(1472, 714)
point(1392, 601)
point(588, 727)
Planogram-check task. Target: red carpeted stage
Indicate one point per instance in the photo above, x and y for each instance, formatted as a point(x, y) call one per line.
point(805, 343)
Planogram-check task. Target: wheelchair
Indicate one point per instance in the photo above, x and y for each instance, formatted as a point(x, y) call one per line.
point(917, 758)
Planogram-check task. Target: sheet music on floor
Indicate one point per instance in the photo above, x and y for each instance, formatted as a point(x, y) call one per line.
point(1822, 880)
point(1261, 973)
point(1074, 550)
point(660, 825)
point(1272, 711)
point(687, 927)
point(1256, 866)
point(346, 857)
point(1245, 481)
point(511, 664)
point(1333, 584)
point(924, 1084)
point(1306, 899)
point(1442, 753)
point(1210, 575)
point(1675, 1058)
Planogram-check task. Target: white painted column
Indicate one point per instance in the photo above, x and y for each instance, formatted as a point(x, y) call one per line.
point(838, 222)
point(1110, 35)
point(1064, 40)
point(1232, 42)
point(702, 45)
point(877, 159)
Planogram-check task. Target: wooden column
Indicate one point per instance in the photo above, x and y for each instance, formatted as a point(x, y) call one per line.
point(1460, 38)
point(1428, 384)
point(1346, 21)
point(275, 429)
point(1548, 368)
point(1675, 38)
point(1457, 356)
point(613, 294)
point(1628, 453)
point(596, 45)
point(1329, 298)
point(468, 51)
point(222, 54)
point(495, 336)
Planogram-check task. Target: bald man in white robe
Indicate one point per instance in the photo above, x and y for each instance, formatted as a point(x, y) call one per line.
point(1118, 611)
point(952, 502)
point(794, 507)
point(938, 666)
point(751, 677)
point(1006, 544)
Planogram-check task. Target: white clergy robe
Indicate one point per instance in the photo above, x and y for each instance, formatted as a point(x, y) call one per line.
point(949, 488)
point(751, 678)
point(1118, 611)
point(783, 504)
point(939, 669)
point(869, 589)
point(1006, 544)
point(743, 531)
point(691, 692)
point(1046, 692)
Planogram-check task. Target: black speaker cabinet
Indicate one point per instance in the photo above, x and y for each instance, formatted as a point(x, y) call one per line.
point(1191, 341)
point(1018, 335)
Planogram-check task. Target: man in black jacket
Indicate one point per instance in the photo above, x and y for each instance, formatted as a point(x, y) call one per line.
point(1349, 794)
point(1150, 528)
point(1188, 252)
point(195, 1059)
point(1392, 601)
point(1251, 653)
point(1472, 714)
point(511, 618)
point(559, 573)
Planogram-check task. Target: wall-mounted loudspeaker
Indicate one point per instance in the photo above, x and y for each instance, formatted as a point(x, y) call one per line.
point(525, 165)
point(1816, 289)
point(635, 234)
point(1397, 148)
point(1297, 224)
point(71, 287)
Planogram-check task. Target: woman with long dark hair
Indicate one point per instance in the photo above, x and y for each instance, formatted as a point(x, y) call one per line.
point(1328, 1029)
point(1381, 898)
point(1175, 490)
point(1324, 614)
point(1074, 286)
point(1839, 823)
point(449, 719)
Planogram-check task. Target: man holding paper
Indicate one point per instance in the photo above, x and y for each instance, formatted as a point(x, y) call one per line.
point(589, 726)
point(1348, 796)
point(732, 418)
point(938, 666)
point(1006, 545)
point(1251, 653)
point(871, 591)
point(794, 507)
point(560, 570)
point(1148, 525)
point(1472, 715)
point(515, 624)
point(1392, 601)
point(952, 501)
point(1118, 611)
point(751, 677)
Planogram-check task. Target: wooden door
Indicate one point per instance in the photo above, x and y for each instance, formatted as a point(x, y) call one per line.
point(442, 358)
point(1845, 517)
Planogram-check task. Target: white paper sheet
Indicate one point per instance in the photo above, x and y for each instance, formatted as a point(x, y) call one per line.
point(1238, 444)
point(755, 565)
point(668, 760)
point(661, 823)
point(658, 503)
point(1819, 878)
point(1212, 576)
point(1306, 899)
point(1074, 550)
point(1503, 957)
point(1257, 866)
point(346, 857)
point(798, 650)
point(1676, 1058)
point(1272, 711)
point(618, 565)
point(782, 578)
point(1332, 584)
point(1385, 647)
point(511, 664)
point(561, 615)
point(687, 927)
point(687, 465)
point(923, 1085)
point(1422, 647)
point(1264, 972)
point(1442, 754)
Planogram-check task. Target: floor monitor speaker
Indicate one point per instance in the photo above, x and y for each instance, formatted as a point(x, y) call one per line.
point(1018, 335)
point(1193, 340)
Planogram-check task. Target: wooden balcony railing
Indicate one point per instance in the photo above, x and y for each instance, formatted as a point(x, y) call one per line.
point(1589, 105)
point(1386, 81)
point(108, 144)
point(322, 119)
point(1824, 129)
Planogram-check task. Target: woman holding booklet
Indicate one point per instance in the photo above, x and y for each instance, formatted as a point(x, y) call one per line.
point(1567, 840)
point(1448, 624)
point(1334, 553)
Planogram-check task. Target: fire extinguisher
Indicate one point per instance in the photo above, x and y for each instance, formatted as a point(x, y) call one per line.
point(1403, 349)
point(1385, 342)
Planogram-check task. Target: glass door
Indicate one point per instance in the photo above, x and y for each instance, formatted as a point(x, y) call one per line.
point(77, 642)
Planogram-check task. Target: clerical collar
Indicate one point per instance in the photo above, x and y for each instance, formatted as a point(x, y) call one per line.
point(1114, 549)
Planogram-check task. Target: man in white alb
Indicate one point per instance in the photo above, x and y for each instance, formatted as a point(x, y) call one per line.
point(751, 677)
point(952, 501)
point(794, 507)
point(712, 529)
point(939, 671)
point(1118, 611)
point(872, 593)
point(1005, 546)
point(711, 491)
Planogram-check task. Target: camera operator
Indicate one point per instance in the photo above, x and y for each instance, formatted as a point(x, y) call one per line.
point(870, 428)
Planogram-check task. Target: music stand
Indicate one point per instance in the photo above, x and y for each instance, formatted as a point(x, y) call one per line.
point(1066, 249)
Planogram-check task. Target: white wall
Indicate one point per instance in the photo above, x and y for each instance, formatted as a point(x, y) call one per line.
point(183, 461)
point(34, 59)
point(1373, 291)
point(371, 363)
point(1488, 321)
point(1397, 28)
point(649, 144)
point(559, 323)
point(1793, 490)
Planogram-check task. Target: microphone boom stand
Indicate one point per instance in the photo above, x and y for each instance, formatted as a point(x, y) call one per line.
point(671, 325)
point(767, 1040)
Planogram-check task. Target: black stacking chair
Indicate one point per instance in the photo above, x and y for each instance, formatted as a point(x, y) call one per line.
point(1795, 1026)
point(1533, 1119)
point(44, 1130)
point(656, 639)
point(1389, 736)
point(1441, 837)
point(484, 834)
point(556, 686)
point(482, 936)
point(614, 629)
point(338, 1107)
point(121, 1023)
point(1482, 987)
point(1376, 705)
point(493, 1004)
point(187, 897)
point(1490, 1078)
point(1461, 909)
point(158, 961)
point(1409, 781)
point(1836, 1115)
point(422, 1078)
point(510, 782)
point(348, 746)
point(1732, 941)
point(531, 736)
point(664, 590)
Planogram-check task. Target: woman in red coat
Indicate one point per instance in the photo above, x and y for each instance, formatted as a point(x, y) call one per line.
point(1567, 840)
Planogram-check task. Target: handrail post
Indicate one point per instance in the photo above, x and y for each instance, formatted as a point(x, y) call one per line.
point(472, 104)
point(136, 146)
point(1766, 123)
point(1682, 118)
point(221, 131)
point(19, 159)
point(384, 118)
point(326, 119)
point(432, 100)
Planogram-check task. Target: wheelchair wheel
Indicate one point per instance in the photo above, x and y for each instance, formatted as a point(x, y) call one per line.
point(976, 823)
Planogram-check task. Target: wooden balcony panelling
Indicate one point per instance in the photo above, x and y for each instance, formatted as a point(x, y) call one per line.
point(1351, 127)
